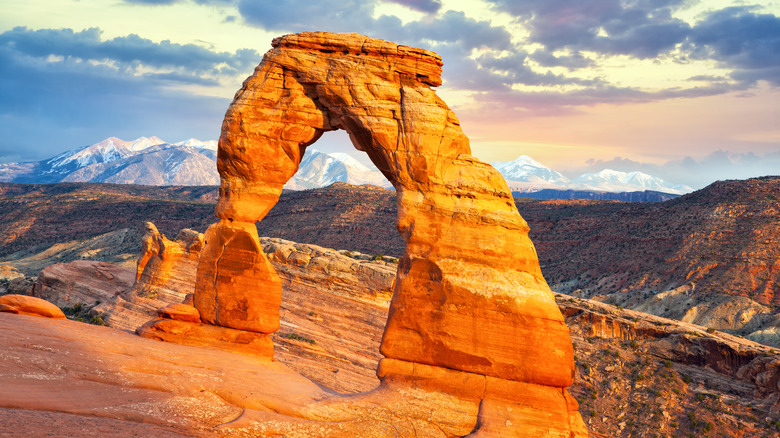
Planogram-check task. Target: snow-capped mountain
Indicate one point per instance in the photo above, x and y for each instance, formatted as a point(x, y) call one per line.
point(609, 180)
point(195, 143)
point(524, 174)
point(146, 160)
point(526, 169)
point(153, 161)
point(318, 169)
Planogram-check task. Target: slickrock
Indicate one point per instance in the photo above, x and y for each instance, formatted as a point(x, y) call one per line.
point(27, 305)
point(81, 282)
point(469, 296)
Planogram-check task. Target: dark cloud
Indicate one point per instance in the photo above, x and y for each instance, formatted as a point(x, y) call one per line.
point(129, 51)
point(456, 27)
point(357, 16)
point(642, 29)
point(429, 6)
point(170, 2)
point(743, 40)
point(571, 62)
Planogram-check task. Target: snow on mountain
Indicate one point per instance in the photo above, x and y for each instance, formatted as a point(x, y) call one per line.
point(152, 161)
point(195, 143)
point(145, 160)
point(107, 150)
point(616, 181)
point(525, 174)
point(142, 143)
point(318, 169)
point(526, 169)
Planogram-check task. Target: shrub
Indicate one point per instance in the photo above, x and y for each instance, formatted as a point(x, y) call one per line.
point(297, 337)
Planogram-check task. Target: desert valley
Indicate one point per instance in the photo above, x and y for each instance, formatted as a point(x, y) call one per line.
point(646, 338)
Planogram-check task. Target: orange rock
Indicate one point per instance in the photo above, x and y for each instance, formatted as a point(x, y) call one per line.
point(85, 282)
point(236, 286)
point(180, 312)
point(469, 294)
point(151, 245)
point(13, 303)
point(205, 335)
point(166, 267)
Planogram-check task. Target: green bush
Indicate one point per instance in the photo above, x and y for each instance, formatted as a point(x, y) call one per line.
point(297, 337)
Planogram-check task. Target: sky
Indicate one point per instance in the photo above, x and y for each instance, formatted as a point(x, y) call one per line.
point(686, 90)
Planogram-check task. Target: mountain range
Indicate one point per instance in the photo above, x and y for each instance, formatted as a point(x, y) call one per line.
point(153, 161)
point(146, 161)
point(525, 175)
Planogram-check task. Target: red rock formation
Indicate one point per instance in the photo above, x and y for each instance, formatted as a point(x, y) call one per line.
point(165, 273)
point(24, 304)
point(83, 282)
point(470, 303)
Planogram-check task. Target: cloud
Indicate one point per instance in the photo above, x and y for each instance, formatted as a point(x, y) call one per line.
point(307, 15)
point(743, 40)
point(429, 6)
point(128, 52)
point(516, 70)
point(82, 89)
point(640, 29)
point(571, 62)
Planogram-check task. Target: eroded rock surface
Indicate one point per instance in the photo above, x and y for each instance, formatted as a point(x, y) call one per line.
point(27, 305)
point(469, 297)
point(81, 282)
point(164, 276)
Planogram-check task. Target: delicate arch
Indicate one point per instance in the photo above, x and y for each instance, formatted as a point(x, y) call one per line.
point(469, 292)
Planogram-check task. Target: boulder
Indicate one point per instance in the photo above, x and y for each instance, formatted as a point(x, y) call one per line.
point(27, 305)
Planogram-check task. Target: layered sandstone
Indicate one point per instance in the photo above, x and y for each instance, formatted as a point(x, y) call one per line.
point(81, 282)
point(470, 302)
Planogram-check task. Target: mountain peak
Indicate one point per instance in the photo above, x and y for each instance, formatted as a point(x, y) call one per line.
point(195, 143)
point(142, 143)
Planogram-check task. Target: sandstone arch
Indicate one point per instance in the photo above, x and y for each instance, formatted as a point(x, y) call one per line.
point(471, 314)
